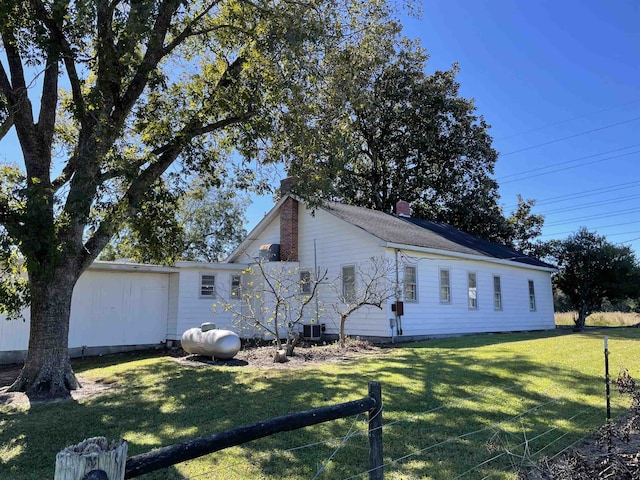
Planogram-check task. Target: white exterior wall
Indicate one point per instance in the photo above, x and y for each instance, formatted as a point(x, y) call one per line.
point(428, 316)
point(193, 309)
point(110, 308)
point(337, 244)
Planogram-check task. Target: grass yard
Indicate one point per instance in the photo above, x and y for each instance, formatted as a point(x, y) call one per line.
point(452, 408)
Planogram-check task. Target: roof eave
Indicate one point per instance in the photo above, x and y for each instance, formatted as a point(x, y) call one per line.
point(469, 256)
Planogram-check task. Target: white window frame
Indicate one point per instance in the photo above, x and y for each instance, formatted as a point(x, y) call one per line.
point(305, 283)
point(348, 296)
point(472, 290)
point(446, 300)
point(410, 285)
point(497, 293)
point(532, 296)
point(236, 289)
point(210, 291)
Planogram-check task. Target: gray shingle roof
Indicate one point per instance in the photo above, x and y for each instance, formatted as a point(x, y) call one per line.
point(422, 233)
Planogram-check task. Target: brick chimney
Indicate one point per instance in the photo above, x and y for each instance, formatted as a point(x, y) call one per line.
point(288, 223)
point(286, 185)
point(403, 209)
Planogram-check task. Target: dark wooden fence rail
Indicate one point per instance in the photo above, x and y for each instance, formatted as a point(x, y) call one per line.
point(166, 456)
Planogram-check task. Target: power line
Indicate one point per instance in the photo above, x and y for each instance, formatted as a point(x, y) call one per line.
point(592, 204)
point(549, 125)
point(594, 228)
point(582, 194)
point(570, 136)
point(629, 241)
point(591, 217)
point(569, 168)
point(518, 174)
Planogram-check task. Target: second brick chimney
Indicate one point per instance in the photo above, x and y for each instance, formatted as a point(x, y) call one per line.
point(288, 224)
point(403, 209)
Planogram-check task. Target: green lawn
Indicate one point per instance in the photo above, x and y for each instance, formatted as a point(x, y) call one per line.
point(450, 406)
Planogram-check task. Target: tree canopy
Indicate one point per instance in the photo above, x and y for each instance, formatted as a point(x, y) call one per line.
point(112, 102)
point(385, 130)
point(201, 224)
point(592, 270)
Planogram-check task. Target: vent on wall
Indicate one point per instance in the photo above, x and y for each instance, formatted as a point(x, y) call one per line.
point(270, 252)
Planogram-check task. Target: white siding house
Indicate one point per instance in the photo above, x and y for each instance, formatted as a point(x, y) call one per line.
point(488, 287)
point(449, 282)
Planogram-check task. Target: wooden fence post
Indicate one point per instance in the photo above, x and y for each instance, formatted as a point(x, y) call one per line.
point(376, 470)
point(92, 459)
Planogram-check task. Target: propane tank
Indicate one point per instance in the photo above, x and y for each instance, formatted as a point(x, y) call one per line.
point(211, 342)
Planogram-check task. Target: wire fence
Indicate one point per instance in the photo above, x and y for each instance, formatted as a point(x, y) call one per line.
point(508, 444)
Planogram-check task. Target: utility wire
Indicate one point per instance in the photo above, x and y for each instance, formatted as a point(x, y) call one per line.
point(570, 136)
point(635, 222)
point(555, 164)
point(549, 125)
point(591, 217)
point(592, 204)
point(581, 194)
point(628, 241)
point(570, 167)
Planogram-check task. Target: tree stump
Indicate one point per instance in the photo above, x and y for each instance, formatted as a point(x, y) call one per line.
point(280, 356)
point(94, 454)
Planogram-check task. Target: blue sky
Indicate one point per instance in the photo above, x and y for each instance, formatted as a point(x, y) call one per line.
point(542, 71)
point(559, 83)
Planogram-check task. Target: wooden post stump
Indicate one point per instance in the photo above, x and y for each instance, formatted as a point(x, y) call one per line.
point(92, 456)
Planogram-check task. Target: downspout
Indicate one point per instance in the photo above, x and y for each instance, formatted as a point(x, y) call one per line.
point(315, 267)
point(398, 317)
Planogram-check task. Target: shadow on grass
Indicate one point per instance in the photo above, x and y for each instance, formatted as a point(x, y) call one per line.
point(433, 391)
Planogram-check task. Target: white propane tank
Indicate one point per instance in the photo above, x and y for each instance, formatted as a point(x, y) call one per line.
point(211, 342)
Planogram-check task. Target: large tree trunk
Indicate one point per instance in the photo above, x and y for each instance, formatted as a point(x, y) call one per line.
point(47, 372)
point(582, 319)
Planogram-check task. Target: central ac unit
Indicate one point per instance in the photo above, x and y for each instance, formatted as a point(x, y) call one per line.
point(311, 332)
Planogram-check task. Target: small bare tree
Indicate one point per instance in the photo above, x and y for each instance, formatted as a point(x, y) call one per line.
point(363, 284)
point(275, 300)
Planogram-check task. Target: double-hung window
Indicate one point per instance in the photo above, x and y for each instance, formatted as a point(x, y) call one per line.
point(445, 286)
point(236, 285)
point(410, 284)
point(497, 293)
point(207, 285)
point(472, 291)
point(532, 296)
point(349, 283)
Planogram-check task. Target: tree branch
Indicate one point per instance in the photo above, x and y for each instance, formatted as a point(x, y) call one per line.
point(68, 55)
point(155, 52)
point(49, 100)
point(5, 85)
point(188, 30)
point(191, 131)
point(6, 125)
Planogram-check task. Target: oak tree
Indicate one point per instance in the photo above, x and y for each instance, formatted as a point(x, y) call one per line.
point(112, 100)
point(385, 130)
point(591, 269)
